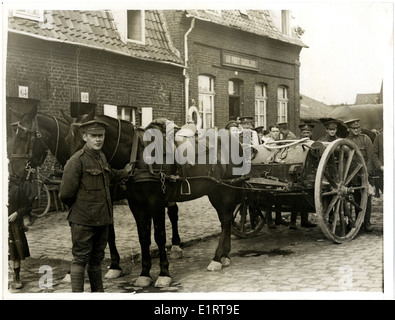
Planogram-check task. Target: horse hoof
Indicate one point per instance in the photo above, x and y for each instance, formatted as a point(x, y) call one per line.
point(143, 282)
point(113, 273)
point(176, 252)
point(225, 261)
point(67, 278)
point(163, 282)
point(214, 266)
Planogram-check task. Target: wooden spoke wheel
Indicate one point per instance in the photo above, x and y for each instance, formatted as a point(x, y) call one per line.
point(247, 220)
point(341, 190)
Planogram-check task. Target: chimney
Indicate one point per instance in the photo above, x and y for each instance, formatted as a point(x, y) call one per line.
point(285, 22)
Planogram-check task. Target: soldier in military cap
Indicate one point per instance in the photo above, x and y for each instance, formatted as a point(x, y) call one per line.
point(365, 145)
point(331, 131)
point(285, 132)
point(85, 188)
point(233, 126)
point(247, 127)
point(306, 130)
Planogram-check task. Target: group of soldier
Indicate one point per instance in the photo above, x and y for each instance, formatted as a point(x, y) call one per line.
point(372, 153)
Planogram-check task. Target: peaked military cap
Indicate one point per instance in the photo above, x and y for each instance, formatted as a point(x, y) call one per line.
point(246, 119)
point(232, 123)
point(352, 123)
point(259, 129)
point(306, 126)
point(282, 124)
point(93, 127)
point(331, 124)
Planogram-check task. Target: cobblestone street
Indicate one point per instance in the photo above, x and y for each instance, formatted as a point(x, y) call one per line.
point(276, 261)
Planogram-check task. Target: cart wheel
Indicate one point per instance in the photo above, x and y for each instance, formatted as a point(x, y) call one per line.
point(341, 190)
point(247, 220)
point(42, 203)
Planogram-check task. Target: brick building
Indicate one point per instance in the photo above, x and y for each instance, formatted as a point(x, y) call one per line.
point(143, 64)
point(239, 63)
point(122, 62)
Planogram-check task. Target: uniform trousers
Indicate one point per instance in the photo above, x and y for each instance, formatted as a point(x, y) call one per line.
point(89, 243)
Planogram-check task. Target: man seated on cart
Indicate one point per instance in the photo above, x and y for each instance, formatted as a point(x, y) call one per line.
point(286, 134)
point(331, 131)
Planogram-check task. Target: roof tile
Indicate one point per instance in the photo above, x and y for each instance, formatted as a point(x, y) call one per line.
point(97, 29)
point(258, 22)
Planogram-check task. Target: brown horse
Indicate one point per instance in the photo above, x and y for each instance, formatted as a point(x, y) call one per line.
point(152, 185)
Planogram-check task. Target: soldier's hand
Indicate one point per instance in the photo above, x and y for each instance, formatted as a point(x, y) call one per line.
point(128, 167)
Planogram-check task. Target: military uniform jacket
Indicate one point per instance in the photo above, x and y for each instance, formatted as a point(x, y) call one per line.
point(289, 136)
point(378, 152)
point(85, 188)
point(365, 145)
point(327, 138)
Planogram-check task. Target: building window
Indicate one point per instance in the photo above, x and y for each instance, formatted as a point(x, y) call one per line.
point(206, 100)
point(282, 104)
point(120, 112)
point(136, 25)
point(36, 15)
point(260, 104)
point(234, 91)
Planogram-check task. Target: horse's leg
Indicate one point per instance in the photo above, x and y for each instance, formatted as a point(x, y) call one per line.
point(115, 270)
point(143, 222)
point(164, 278)
point(172, 212)
point(224, 209)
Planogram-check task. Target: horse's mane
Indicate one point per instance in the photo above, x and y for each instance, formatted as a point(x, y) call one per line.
point(61, 120)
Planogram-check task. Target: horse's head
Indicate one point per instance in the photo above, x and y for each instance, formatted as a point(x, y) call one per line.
point(20, 146)
point(74, 139)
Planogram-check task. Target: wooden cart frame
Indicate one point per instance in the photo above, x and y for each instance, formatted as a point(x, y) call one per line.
point(332, 181)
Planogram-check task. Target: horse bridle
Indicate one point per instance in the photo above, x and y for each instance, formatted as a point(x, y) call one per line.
point(35, 134)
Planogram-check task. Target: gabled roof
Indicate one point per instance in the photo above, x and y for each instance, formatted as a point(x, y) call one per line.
point(313, 109)
point(258, 22)
point(96, 29)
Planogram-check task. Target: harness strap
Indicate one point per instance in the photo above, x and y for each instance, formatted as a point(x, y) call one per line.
point(57, 136)
point(133, 154)
point(119, 137)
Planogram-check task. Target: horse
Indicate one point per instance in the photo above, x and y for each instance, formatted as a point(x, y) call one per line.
point(49, 134)
point(151, 186)
point(22, 189)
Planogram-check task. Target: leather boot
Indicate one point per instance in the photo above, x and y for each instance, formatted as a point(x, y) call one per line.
point(95, 277)
point(368, 213)
point(17, 284)
point(305, 223)
point(77, 275)
point(292, 224)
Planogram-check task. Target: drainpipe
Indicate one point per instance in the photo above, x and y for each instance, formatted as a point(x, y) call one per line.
point(185, 73)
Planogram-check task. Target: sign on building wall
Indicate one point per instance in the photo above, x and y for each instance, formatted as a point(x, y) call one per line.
point(239, 61)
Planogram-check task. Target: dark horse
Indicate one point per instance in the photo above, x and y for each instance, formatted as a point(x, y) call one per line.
point(21, 188)
point(150, 187)
point(49, 134)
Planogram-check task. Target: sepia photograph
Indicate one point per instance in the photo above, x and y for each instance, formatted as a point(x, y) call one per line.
point(197, 151)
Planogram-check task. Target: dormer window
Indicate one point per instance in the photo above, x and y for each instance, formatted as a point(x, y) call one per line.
point(136, 25)
point(216, 12)
point(36, 15)
point(244, 14)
